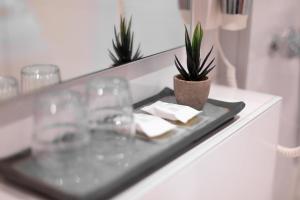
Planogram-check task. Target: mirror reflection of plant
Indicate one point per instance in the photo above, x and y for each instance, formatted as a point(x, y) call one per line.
point(197, 71)
point(123, 44)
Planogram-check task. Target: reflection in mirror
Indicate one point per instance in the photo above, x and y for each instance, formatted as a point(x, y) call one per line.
point(8, 87)
point(123, 44)
point(76, 34)
point(157, 24)
point(38, 76)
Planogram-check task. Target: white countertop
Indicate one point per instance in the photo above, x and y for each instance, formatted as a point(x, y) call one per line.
point(256, 104)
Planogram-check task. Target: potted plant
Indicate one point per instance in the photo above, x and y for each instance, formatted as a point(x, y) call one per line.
point(192, 86)
point(123, 45)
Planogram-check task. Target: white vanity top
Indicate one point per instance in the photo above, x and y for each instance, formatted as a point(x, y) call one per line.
point(256, 104)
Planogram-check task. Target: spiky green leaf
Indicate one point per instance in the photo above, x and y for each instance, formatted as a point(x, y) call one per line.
point(205, 59)
point(208, 64)
point(196, 44)
point(137, 54)
point(112, 56)
point(195, 69)
point(188, 45)
point(181, 69)
point(123, 44)
point(205, 72)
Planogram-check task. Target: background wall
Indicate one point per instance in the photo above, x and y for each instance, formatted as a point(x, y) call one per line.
point(258, 69)
point(278, 75)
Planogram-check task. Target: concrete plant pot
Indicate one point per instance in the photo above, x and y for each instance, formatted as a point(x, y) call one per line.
point(191, 93)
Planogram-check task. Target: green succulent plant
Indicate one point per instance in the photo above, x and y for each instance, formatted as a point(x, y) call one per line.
point(123, 44)
point(196, 70)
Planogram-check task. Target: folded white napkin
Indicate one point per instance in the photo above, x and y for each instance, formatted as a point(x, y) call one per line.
point(152, 126)
point(171, 111)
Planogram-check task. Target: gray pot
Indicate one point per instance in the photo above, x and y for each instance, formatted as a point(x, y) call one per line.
point(191, 93)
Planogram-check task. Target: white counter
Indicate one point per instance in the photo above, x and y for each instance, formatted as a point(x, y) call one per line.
point(236, 163)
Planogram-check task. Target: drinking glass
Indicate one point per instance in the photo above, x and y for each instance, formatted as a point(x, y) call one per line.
point(110, 106)
point(59, 128)
point(110, 117)
point(8, 87)
point(37, 76)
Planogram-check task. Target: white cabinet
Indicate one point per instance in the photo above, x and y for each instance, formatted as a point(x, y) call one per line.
point(236, 163)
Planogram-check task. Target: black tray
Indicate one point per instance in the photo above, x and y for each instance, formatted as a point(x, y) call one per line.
point(84, 175)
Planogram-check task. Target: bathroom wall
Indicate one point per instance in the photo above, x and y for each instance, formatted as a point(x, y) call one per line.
point(279, 75)
point(261, 70)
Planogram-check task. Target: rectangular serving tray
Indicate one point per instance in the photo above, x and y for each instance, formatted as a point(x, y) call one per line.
point(104, 179)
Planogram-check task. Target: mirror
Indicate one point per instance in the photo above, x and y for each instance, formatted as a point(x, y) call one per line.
point(76, 34)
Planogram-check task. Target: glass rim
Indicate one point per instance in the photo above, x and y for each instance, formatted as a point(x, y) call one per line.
point(58, 97)
point(10, 80)
point(39, 69)
point(107, 81)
